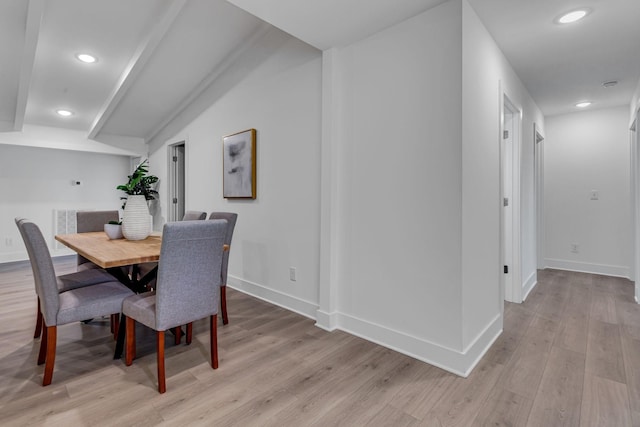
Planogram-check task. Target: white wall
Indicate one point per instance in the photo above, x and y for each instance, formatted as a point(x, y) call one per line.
point(281, 99)
point(487, 76)
point(409, 181)
point(635, 104)
point(588, 151)
point(35, 181)
point(74, 140)
point(401, 103)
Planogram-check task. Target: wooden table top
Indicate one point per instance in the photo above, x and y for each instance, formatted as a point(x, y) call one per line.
point(99, 249)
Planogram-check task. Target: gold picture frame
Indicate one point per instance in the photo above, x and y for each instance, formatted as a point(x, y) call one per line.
point(239, 165)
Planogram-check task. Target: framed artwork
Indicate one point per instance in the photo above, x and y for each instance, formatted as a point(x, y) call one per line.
point(239, 165)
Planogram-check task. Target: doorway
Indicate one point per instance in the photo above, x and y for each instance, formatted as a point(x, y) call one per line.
point(510, 201)
point(176, 181)
point(634, 139)
point(538, 182)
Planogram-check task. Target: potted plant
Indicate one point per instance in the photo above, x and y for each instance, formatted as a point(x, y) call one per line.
point(113, 229)
point(136, 221)
point(139, 184)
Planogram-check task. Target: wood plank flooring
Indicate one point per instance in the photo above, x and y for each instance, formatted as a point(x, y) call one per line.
point(569, 355)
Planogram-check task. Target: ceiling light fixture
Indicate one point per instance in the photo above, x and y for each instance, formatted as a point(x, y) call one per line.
point(573, 16)
point(64, 113)
point(610, 83)
point(583, 104)
point(86, 58)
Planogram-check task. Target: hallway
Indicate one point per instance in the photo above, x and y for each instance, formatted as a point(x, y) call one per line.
point(567, 356)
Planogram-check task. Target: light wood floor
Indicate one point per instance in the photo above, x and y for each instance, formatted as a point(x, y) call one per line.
point(570, 355)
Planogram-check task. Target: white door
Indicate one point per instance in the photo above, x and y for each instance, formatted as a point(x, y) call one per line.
point(510, 201)
point(176, 181)
point(538, 155)
point(506, 158)
point(635, 205)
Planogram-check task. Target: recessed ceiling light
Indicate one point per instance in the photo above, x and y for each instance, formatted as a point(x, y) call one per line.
point(573, 16)
point(583, 104)
point(64, 113)
point(85, 57)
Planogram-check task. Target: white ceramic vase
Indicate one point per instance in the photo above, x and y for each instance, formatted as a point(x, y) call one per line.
point(135, 220)
point(114, 231)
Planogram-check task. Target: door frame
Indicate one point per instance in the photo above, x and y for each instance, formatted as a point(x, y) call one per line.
point(538, 182)
point(511, 289)
point(634, 142)
point(173, 188)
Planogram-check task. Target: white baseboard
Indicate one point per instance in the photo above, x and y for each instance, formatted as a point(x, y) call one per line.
point(529, 284)
point(6, 257)
point(297, 305)
point(586, 267)
point(22, 255)
point(327, 321)
point(457, 362)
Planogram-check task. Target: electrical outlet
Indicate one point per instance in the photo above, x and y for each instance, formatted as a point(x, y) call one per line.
point(575, 248)
point(292, 274)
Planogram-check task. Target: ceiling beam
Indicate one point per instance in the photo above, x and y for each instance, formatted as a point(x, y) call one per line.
point(31, 35)
point(237, 52)
point(136, 65)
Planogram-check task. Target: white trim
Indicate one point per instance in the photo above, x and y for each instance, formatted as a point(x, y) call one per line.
point(297, 305)
point(457, 362)
point(327, 321)
point(529, 284)
point(586, 267)
point(512, 292)
point(13, 256)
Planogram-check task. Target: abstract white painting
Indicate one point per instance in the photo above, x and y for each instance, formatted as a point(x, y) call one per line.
point(239, 165)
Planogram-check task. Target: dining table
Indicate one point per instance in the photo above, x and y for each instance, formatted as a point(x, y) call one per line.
point(112, 255)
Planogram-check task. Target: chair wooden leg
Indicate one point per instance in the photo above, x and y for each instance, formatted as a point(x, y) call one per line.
point(162, 386)
point(130, 346)
point(178, 334)
point(51, 334)
point(223, 304)
point(42, 354)
point(189, 333)
point(111, 324)
point(213, 337)
point(38, 331)
point(115, 324)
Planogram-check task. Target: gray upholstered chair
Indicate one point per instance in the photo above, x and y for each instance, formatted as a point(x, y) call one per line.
point(88, 221)
point(143, 269)
point(66, 282)
point(194, 216)
point(59, 308)
point(187, 289)
point(231, 224)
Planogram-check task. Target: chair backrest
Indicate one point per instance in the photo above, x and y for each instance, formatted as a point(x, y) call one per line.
point(44, 274)
point(231, 225)
point(87, 221)
point(188, 282)
point(194, 216)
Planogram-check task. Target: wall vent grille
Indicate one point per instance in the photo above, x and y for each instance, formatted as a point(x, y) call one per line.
point(64, 222)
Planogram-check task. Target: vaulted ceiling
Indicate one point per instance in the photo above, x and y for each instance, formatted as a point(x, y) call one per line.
point(156, 57)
